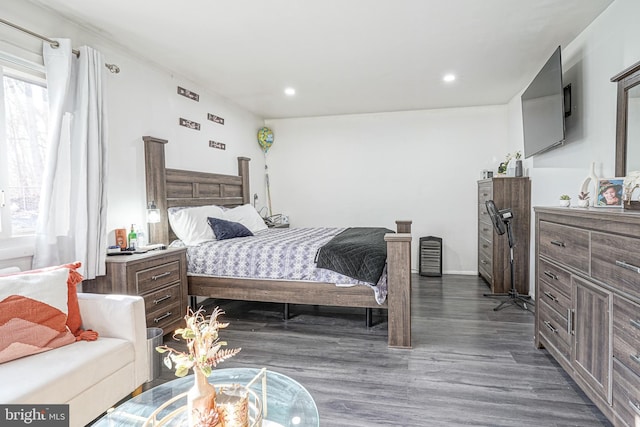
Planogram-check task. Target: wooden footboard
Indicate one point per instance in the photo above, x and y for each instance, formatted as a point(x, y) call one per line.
point(171, 187)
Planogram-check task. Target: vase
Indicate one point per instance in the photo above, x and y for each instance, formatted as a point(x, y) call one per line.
point(518, 168)
point(565, 203)
point(201, 402)
point(590, 183)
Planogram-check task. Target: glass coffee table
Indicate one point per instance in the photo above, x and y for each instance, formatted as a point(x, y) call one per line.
point(288, 403)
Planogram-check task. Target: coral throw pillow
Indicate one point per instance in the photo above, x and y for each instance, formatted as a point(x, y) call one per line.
point(33, 313)
point(74, 321)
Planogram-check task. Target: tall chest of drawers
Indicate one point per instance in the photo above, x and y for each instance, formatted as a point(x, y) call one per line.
point(588, 303)
point(160, 277)
point(493, 249)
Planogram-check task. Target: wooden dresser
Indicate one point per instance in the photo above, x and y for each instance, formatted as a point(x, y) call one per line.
point(160, 277)
point(588, 303)
point(493, 249)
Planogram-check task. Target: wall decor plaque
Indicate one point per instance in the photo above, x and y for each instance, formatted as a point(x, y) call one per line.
point(215, 118)
point(218, 145)
point(189, 124)
point(187, 93)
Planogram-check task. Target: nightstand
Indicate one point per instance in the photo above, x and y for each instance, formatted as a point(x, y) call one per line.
point(159, 276)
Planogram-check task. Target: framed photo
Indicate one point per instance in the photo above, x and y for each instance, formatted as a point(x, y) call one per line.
point(609, 193)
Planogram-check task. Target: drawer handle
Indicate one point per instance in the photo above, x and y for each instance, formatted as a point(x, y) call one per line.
point(550, 296)
point(485, 229)
point(569, 321)
point(635, 357)
point(551, 328)
point(160, 276)
point(485, 246)
point(635, 407)
point(159, 300)
point(164, 316)
point(557, 243)
point(483, 262)
point(550, 275)
point(635, 323)
point(628, 266)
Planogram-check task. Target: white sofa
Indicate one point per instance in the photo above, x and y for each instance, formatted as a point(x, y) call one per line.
point(90, 376)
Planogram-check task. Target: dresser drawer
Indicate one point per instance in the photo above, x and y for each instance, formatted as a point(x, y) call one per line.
point(483, 215)
point(485, 246)
point(156, 277)
point(626, 333)
point(485, 231)
point(567, 245)
point(554, 327)
point(555, 278)
point(485, 262)
point(554, 298)
point(165, 316)
point(616, 260)
point(626, 395)
point(485, 192)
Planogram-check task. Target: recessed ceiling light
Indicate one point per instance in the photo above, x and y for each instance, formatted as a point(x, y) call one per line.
point(449, 78)
point(289, 91)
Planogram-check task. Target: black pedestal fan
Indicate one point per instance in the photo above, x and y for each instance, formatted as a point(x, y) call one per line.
point(502, 224)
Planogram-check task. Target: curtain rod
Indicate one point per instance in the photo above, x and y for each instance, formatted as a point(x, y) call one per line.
point(111, 67)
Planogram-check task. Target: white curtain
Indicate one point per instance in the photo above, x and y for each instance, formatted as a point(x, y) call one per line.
point(73, 201)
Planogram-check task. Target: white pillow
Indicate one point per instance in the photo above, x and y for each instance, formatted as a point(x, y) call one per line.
point(247, 216)
point(190, 224)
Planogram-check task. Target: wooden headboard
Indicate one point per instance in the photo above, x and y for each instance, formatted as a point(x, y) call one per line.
point(174, 187)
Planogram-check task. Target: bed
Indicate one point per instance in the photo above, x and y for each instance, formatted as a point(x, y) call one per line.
point(169, 188)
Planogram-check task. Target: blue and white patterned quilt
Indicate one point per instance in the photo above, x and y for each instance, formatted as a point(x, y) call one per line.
point(277, 253)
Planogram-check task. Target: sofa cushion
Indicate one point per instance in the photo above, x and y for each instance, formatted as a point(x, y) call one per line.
point(60, 375)
point(33, 313)
point(74, 320)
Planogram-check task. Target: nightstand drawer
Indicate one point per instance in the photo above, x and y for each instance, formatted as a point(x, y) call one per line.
point(626, 333)
point(165, 316)
point(567, 245)
point(163, 298)
point(156, 277)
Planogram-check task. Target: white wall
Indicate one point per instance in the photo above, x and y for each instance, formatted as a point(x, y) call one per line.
point(609, 45)
point(373, 169)
point(143, 100)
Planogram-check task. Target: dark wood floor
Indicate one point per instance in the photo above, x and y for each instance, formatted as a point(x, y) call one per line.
point(469, 365)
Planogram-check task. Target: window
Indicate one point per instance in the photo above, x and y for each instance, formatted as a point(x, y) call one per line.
point(23, 153)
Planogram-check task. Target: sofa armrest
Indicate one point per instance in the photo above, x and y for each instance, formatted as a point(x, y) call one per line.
point(119, 316)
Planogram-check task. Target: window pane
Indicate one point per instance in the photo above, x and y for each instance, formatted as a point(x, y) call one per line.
point(26, 123)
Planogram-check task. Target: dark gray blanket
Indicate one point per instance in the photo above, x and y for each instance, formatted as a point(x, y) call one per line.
point(358, 252)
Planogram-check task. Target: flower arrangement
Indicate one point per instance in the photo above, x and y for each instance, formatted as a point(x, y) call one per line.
point(502, 168)
point(203, 344)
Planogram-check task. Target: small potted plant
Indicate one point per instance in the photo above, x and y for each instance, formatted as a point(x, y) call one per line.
point(565, 200)
point(583, 199)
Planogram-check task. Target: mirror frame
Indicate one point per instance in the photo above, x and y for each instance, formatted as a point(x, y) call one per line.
point(626, 79)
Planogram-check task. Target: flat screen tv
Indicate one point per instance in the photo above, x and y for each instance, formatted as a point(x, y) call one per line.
point(543, 109)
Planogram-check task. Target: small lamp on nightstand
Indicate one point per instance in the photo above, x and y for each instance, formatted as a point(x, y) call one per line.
point(153, 213)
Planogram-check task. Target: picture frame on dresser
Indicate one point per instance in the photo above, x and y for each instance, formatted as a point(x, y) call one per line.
point(610, 193)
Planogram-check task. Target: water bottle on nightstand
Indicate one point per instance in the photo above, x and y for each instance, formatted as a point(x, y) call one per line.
point(133, 238)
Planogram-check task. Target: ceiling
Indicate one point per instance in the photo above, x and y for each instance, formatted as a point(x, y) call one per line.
point(343, 56)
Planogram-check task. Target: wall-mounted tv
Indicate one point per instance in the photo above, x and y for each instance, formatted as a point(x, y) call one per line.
point(543, 108)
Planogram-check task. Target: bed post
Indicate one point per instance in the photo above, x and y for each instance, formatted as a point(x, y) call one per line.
point(399, 285)
point(156, 178)
point(243, 171)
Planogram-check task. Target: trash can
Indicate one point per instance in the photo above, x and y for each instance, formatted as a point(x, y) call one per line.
point(154, 339)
